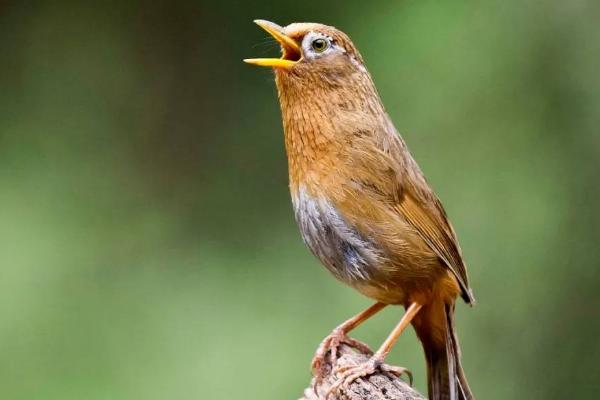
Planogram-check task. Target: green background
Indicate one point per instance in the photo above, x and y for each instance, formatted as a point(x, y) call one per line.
point(147, 244)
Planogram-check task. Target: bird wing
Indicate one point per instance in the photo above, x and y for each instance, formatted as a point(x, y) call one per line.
point(424, 211)
point(389, 172)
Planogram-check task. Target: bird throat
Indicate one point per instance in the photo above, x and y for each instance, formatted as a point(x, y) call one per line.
point(322, 116)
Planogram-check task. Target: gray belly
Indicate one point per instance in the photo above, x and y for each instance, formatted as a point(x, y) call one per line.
point(349, 256)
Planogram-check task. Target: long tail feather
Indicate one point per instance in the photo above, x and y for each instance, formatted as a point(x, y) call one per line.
point(445, 377)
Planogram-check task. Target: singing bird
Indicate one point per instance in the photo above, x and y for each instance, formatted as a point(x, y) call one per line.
point(363, 205)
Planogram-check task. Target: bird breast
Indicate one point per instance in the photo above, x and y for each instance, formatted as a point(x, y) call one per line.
point(348, 255)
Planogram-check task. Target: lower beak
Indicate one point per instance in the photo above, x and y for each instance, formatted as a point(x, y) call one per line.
point(291, 51)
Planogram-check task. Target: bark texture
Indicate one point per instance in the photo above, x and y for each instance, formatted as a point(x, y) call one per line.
point(379, 386)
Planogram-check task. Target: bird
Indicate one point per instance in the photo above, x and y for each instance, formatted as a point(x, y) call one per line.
point(364, 207)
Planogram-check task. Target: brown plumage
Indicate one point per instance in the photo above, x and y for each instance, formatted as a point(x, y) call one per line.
point(362, 203)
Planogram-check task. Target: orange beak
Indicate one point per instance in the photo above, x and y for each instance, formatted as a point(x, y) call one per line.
point(292, 53)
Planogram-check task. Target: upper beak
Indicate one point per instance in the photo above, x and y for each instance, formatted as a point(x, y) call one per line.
point(291, 51)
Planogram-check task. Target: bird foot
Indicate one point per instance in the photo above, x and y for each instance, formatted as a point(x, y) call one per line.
point(348, 374)
point(331, 343)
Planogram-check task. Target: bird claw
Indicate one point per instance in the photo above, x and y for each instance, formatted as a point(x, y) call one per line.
point(331, 343)
point(397, 371)
point(350, 373)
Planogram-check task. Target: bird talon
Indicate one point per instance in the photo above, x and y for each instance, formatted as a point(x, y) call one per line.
point(399, 371)
point(342, 369)
point(330, 345)
point(350, 373)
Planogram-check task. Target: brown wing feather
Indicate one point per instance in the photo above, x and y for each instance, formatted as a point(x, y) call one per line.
point(433, 226)
point(389, 170)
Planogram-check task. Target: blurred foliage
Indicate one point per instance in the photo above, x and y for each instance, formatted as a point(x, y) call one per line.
point(147, 245)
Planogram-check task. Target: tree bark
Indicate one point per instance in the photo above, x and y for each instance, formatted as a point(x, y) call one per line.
point(379, 386)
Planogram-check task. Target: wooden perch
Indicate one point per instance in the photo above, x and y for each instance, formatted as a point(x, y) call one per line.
point(379, 386)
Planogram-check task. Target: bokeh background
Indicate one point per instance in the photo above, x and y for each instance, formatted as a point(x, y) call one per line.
point(147, 243)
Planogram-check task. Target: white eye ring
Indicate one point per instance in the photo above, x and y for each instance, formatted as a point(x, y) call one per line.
point(320, 45)
point(316, 45)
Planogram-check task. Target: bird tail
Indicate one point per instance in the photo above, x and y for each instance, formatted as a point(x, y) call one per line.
point(445, 377)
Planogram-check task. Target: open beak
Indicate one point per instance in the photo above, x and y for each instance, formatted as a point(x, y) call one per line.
point(291, 51)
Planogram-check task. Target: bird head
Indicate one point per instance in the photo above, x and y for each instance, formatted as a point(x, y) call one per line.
point(326, 94)
point(314, 56)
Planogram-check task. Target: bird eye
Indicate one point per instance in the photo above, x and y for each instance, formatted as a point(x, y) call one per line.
point(320, 45)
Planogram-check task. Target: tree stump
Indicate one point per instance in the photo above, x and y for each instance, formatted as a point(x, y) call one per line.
point(378, 386)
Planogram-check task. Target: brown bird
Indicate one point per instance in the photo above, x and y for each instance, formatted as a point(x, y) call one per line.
point(363, 205)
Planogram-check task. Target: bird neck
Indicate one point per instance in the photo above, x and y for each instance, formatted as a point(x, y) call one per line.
point(321, 120)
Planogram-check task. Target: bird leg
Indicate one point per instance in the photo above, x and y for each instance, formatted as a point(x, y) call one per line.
point(339, 336)
point(349, 374)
